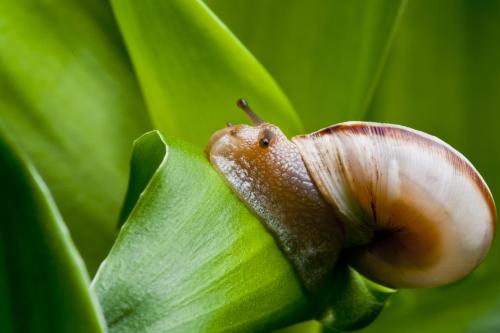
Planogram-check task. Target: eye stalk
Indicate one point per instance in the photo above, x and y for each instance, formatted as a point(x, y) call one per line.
point(243, 104)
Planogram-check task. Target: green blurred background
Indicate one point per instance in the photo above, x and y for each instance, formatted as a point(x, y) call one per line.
point(80, 80)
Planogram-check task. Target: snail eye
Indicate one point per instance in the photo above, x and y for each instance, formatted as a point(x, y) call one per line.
point(264, 142)
point(266, 138)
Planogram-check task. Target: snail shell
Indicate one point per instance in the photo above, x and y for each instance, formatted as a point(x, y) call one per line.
point(409, 209)
point(429, 213)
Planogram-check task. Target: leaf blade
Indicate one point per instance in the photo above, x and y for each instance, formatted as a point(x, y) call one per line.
point(42, 273)
point(70, 100)
point(192, 88)
point(213, 262)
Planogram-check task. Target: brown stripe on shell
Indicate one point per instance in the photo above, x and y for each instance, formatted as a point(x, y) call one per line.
point(416, 137)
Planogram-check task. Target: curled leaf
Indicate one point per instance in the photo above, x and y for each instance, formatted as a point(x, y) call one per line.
point(191, 257)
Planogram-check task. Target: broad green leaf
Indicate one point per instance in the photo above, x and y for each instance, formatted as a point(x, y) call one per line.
point(443, 77)
point(326, 55)
point(43, 281)
point(68, 98)
point(192, 70)
point(192, 258)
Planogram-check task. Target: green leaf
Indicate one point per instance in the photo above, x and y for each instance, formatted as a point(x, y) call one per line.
point(43, 282)
point(443, 77)
point(192, 70)
point(192, 258)
point(327, 55)
point(68, 98)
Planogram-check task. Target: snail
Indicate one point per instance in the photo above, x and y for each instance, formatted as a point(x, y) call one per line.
point(409, 209)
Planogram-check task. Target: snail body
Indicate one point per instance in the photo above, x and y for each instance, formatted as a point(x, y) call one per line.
point(410, 210)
